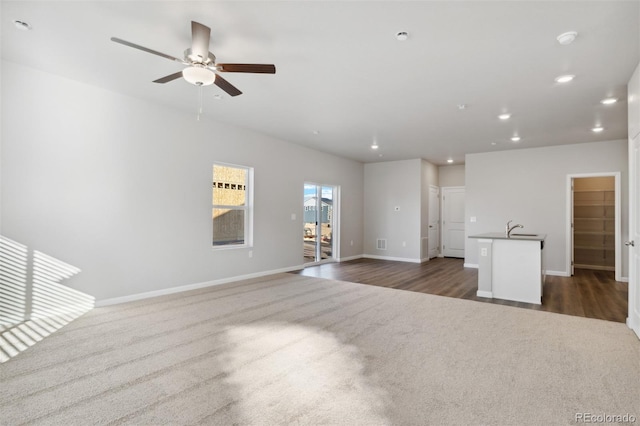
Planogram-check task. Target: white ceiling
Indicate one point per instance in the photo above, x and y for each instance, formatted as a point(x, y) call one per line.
point(341, 71)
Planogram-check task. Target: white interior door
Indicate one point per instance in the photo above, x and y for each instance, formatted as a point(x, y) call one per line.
point(453, 222)
point(434, 221)
point(634, 235)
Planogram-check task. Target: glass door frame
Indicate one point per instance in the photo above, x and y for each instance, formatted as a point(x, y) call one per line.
point(333, 223)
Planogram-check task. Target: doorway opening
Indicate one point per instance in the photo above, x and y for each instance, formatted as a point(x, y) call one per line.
point(319, 232)
point(595, 223)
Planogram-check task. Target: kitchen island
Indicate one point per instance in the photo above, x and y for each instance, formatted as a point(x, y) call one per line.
point(511, 268)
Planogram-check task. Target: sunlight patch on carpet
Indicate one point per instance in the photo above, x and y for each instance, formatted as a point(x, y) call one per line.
point(302, 374)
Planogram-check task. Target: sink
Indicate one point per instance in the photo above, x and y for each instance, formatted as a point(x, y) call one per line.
point(524, 235)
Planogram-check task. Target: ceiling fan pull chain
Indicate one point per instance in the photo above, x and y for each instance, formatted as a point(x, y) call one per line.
point(199, 101)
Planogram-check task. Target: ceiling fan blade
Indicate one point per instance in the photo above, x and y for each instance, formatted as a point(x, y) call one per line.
point(226, 86)
point(253, 68)
point(144, 49)
point(200, 35)
point(169, 78)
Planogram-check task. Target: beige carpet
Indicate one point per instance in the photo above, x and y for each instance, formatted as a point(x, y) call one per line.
point(288, 349)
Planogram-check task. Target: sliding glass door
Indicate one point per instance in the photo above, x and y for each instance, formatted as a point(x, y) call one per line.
point(318, 232)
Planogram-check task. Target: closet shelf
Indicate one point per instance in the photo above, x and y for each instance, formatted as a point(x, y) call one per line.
point(594, 265)
point(591, 247)
point(594, 203)
point(594, 232)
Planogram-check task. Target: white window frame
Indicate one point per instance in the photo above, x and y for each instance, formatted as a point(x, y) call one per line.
point(247, 208)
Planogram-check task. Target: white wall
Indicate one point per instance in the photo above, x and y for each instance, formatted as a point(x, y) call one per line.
point(386, 186)
point(451, 175)
point(530, 187)
point(633, 103)
point(121, 188)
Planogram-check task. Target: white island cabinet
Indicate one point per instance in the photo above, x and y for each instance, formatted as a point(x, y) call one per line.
point(511, 268)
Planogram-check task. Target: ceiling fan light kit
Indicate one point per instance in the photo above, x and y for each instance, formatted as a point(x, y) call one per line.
point(199, 75)
point(202, 69)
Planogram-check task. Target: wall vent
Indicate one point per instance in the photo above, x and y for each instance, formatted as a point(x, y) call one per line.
point(382, 244)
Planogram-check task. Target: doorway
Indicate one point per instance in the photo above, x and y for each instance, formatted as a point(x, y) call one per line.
point(319, 223)
point(594, 229)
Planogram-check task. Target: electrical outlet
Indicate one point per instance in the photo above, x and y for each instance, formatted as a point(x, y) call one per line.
point(483, 251)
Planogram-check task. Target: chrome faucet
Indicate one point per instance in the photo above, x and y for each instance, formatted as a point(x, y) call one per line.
point(509, 228)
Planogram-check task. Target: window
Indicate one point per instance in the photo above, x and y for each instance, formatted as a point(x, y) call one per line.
point(232, 199)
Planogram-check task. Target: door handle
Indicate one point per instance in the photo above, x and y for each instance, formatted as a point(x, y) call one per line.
point(630, 243)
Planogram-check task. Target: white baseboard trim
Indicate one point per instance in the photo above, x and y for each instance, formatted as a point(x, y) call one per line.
point(633, 326)
point(623, 279)
point(487, 294)
point(179, 289)
point(396, 259)
point(557, 273)
point(346, 259)
point(471, 265)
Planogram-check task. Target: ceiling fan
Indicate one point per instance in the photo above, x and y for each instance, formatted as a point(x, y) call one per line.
point(202, 69)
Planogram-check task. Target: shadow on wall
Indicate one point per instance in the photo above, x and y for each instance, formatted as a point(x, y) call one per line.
point(33, 301)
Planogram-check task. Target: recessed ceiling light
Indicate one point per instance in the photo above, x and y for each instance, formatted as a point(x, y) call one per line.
point(315, 132)
point(565, 78)
point(515, 139)
point(597, 129)
point(567, 38)
point(462, 106)
point(609, 101)
point(21, 25)
point(402, 35)
point(449, 160)
point(374, 146)
point(504, 116)
point(494, 143)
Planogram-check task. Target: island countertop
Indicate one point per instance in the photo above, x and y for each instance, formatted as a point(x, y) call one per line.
point(514, 236)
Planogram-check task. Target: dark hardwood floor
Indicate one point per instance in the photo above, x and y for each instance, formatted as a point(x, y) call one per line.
point(591, 294)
